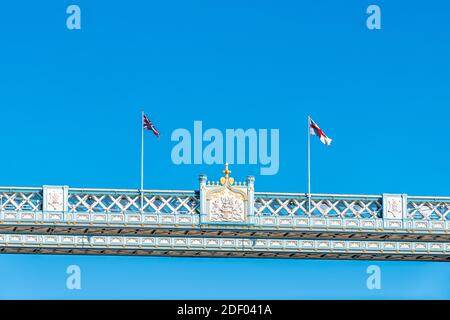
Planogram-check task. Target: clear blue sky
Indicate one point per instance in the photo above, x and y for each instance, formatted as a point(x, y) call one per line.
point(70, 106)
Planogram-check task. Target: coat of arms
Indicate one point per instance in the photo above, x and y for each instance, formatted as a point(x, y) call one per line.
point(225, 200)
point(393, 206)
point(54, 198)
point(227, 206)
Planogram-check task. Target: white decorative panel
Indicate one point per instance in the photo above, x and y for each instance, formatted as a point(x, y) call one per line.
point(55, 198)
point(226, 201)
point(395, 206)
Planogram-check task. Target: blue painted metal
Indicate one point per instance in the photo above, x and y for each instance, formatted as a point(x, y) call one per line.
point(176, 214)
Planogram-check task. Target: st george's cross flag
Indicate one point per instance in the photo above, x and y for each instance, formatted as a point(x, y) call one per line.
point(316, 131)
point(148, 125)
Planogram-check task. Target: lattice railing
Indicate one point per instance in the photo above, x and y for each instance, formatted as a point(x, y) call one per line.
point(332, 207)
point(164, 203)
point(426, 209)
point(187, 202)
point(20, 199)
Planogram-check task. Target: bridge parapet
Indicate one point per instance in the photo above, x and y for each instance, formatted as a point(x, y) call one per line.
point(279, 214)
point(173, 202)
point(178, 223)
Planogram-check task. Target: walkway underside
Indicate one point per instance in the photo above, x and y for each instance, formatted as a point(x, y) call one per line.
point(225, 247)
point(240, 231)
point(229, 254)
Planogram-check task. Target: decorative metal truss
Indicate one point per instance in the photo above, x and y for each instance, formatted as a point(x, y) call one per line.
point(187, 202)
point(175, 223)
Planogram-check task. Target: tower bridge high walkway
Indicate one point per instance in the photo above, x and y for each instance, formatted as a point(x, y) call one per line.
point(223, 219)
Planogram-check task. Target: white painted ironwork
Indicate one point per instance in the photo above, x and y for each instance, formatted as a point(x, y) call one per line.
point(100, 244)
point(131, 202)
point(297, 224)
point(99, 221)
point(187, 202)
point(428, 209)
point(20, 199)
point(332, 207)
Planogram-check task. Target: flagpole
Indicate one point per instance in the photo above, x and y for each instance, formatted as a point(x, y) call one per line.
point(142, 161)
point(309, 164)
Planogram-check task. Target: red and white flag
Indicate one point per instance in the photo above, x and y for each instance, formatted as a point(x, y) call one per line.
point(316, 131)
point(148, 125)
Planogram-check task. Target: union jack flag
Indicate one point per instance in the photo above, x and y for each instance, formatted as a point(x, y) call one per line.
point(148, 125)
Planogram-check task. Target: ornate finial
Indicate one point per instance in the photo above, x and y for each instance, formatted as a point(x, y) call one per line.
point(227, 178)
point(226, 172)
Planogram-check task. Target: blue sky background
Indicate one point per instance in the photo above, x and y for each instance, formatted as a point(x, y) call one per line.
point(70, 105)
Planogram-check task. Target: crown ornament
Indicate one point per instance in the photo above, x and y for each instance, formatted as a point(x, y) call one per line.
point(226, 180)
